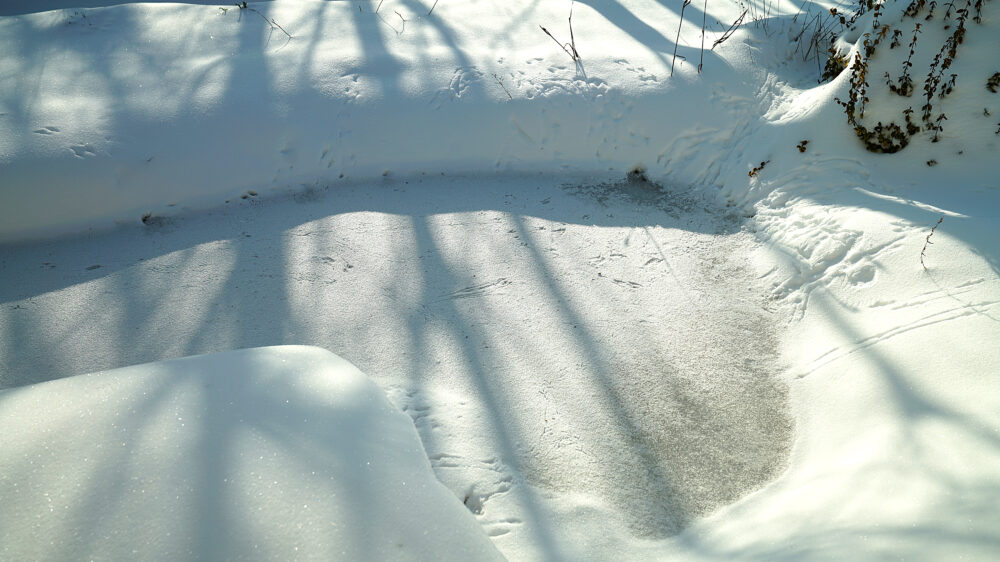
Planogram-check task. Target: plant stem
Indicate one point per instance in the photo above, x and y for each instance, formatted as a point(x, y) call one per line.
point(677, 40)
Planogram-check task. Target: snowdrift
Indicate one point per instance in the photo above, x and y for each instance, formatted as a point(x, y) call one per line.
point(117, 112)
point(269, 453)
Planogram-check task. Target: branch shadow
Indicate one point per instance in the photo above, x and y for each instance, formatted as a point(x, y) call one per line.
point(294, 271)
point(954, 513)
point(161, 293)
point(247, 441)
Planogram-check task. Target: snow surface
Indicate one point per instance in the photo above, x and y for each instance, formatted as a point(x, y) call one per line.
point(646, 352)
point(273, 453)
point(572, 346)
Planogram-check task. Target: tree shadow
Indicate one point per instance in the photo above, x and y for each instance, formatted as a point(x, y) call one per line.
point(160, 293)
point(277, 271)
point(929, 436)
point(22, 7)
point(213, 450)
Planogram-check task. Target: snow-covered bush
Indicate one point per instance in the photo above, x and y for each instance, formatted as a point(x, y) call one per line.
point(883, 117)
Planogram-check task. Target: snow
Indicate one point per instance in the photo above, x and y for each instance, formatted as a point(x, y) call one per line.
point(743, 356)
point(237, 106)
point(279, 453)
point(439, 298)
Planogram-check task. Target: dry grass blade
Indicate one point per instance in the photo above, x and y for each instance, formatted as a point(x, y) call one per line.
point(568, 48)
point(729, 32)
point(572, 40)
point(704, 21)
point(500, 81)
point(678, 39)
point(561, 46)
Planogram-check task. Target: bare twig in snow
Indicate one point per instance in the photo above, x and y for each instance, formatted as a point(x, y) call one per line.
point(432, 7)
point(563, 47)
point(796, 16)
point(500, 81)
point(704, 19)
point(729, 32)
point(399, 31)
point(767, 16)
point(677, 40)
point(927, 242)
point(572, 40)
point(569, 48)
point(276, 24)
point(243, 6)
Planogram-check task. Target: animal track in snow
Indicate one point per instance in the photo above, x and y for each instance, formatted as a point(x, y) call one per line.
point(352, 88)
point(491, 480)
point(83, 150)
point(479, 290)
point(629, 284)
point(938, 294)
point(601, 258)
point(861, 275)
point(327, 156)
point(827, 252)
point(474, 480)
point(461, 83)
point(639, 71)
point(444, 460)
point(687, 152)
point(501, 527)
point(418, 413)
point(954, 313)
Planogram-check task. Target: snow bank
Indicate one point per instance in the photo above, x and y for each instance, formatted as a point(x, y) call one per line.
point(892, 341)
point(270, 453)
point(111, 113)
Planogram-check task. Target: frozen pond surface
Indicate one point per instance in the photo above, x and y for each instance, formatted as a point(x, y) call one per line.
point(561, 347)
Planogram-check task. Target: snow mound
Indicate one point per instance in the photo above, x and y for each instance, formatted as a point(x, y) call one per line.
point(153, 109)
point(269, 453)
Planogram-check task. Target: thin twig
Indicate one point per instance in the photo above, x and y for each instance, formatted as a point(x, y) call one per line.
point(704, 19)
point(379, 7)
point(729, 32)
point(276, 24)
point(928, 242)
point(561, 46)
point(404, 20)
point(572, 40)
point(270, 22)
point(432, 7)
point(569, 48)
point(767, 15)
point(500, 81)
point(805, 27)
point(677, 40)
point(796, 16)
point(798, 38)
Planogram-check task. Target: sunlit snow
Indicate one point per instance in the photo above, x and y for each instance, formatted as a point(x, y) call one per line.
point(632, 308)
